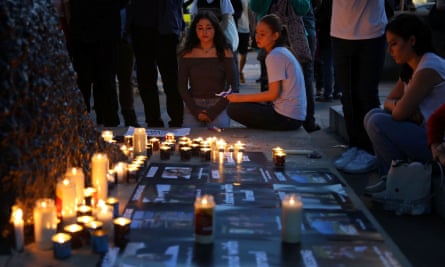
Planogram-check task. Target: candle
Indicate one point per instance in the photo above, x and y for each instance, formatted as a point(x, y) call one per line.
point(114, 203)
point(75, 175)
point(121, 231)
point(291, 213)
point(274, 152)
point(205, 154)
point(92, 226)
point(204, 218)
point(99, 174)
point(186, 153)
point(45, 222)
point(17, 221)
point(66, 201)
point(90, 195)
point(104, 213)
point(128, 140)
point(154, 144)
point(61, 246)
point(84, 210)
point(75, 231)
point(170, 137)
point(139, 141)
point(121, 169)
point(280, 159)
point(84, 220)
point(165, 152)
point(99, 242)
point(195, 149)
point(107, 136)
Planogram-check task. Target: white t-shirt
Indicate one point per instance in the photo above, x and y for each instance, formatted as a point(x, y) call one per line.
point(358, 19)
point(243, 21)
point(226, 7)
point(436, 97)
point(282, 66)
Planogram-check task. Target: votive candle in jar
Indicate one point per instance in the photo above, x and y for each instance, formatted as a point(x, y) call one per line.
point(121, 231)
point(61, 245)
point(155, 143)
point(107, 135)
point(114, 203)
point(280, 159)
point(139, 141)
point(75, 231)
point(204, 219)
point(17, 221)
point(291, 215)
point(165, 152)
point(186, 153)
point(45, 222)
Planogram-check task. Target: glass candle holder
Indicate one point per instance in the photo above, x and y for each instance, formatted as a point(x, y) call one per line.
point(291, 214)
point(186, 153)
point(155, 143)
point(165, 152)
point(204, 210)
point(75, 231)
point(121, 231)
point(205, 154)
point(61, 246)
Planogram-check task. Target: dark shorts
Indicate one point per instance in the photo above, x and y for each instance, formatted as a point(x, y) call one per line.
point(243, 43)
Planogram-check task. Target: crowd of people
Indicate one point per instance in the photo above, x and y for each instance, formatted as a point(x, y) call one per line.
point(340, 47)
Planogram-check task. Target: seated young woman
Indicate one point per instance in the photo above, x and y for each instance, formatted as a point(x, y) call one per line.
point(398, 132)
point(205, 69)
point(283, 105)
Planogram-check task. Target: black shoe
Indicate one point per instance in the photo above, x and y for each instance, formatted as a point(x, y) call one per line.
point(324, 99)
point(312, 128)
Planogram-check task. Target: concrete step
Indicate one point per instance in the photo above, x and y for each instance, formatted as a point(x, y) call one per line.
point(337, 121)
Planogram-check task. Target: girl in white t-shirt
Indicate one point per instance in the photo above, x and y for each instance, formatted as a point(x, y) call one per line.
point(283, 106)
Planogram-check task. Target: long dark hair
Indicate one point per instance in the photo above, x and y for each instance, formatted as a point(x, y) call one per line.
point(405, 26)
point(275, 24)
point(192, 40)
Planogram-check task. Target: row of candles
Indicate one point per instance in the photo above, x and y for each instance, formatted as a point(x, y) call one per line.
point(291, 216)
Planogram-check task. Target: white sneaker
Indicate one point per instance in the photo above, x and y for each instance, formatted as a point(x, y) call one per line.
point(345, 158)
point(362, 163)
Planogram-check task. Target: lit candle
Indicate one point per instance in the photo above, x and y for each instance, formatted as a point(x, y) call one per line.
point(114, 203)
point(92, 226)
point(99, 241)
point(186, 153)
point(17, 220)
point(165, 152)
point(280, 159)
point(66, 201)
point(275, 150)
point(61, 246)
point(107, 136)
point(45, 222)
point(170, 137)
point(84, 210)
point(154, 144)
point(205, 154)
point(121, 231)
point(104, 213)
point(75, 175)
point(204, 219)
point(75, 231)
point(128, 140)
point(291, 213)
point(121, 169)
point(99, 174)
point(90, 195)
point(139, 141)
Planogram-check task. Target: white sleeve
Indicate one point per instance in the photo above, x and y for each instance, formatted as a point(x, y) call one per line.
point(226, 7)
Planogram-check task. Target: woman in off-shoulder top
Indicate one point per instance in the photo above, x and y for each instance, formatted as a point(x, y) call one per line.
point(206, 68)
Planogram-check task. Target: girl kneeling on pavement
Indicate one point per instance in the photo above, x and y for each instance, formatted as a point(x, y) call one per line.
point(398, 132)
point(283, 105)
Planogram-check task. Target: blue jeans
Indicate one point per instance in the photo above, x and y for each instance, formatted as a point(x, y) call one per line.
point(358, 65)
point(221, 121)
point(393, 140)
point(261, 116)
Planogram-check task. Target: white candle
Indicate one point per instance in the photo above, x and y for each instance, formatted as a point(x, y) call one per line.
point(139, 141)
point(66, 193)
point(107, 136)
point(121, 169)
point(45, 222)
point(291, 213)
point(104, 214)
point(99, 172)
point(204, 219)
point(75, 175)
point(17, 220)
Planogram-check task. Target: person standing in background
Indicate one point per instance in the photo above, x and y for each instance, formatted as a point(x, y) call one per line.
point(155, 27)
point(124, 70)
point(358, 43)
point(244, 37)
point(95, 33)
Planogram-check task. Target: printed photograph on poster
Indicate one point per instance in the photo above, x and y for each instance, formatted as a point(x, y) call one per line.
point(177, 173)
point(240, 174)
point(307, 177)
point(167, 193)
